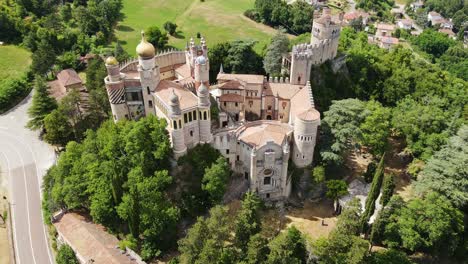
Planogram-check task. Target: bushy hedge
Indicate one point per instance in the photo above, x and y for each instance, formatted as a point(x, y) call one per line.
point(373, 192)
point(12, 91)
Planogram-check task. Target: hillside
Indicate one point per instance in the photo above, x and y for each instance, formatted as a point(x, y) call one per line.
point(217, 20)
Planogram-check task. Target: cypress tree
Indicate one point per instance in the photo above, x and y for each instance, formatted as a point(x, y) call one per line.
point(373, 192)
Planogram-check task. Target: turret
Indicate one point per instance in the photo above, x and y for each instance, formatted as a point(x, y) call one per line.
point(116, 90)
point(204, 119)
point(176, 131)
point(149, 73)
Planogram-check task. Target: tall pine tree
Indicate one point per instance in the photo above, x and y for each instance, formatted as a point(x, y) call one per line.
point(42, 104)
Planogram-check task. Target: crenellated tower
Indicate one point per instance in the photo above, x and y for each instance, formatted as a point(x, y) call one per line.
point(198, 62)
point(149, 73)
point(115, 87)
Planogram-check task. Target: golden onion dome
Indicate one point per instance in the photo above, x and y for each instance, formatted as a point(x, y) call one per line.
point(145, 49)
point(111, 61)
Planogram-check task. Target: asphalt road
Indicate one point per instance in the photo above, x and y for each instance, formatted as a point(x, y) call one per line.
point(24, 160)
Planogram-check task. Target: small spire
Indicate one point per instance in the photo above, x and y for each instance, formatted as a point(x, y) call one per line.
point(221, 70)
point(143, 35)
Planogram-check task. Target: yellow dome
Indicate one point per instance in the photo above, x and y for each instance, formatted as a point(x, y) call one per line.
point(111, 61)
point(145, 49)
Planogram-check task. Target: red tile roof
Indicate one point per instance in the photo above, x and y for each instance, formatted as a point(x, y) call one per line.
point(69, 77)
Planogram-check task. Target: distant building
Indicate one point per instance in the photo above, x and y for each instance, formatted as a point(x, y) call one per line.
point(416, 5)
point(448, 32)
point(405, 24)
point(384, 30)
point(90, 242)
point(352, 16)
point(388, 42)
point(67, 80)
point(437, 19)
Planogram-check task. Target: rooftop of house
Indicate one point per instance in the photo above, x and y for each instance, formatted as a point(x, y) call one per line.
point(355, 14)
point(90, 240)
point(282, 90)
point(183, 70)
point(406, 22)
point(434, 14)
point(186, 98)
point(68, 77)
point(248, 78)
point(383, 26)
point(231, 98)
point(300, 102)
point(259, 133)
point(447, 31)
point(232, 84)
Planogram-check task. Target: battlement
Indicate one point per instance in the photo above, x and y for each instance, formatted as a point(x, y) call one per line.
point(163, 58)
point(277, 79)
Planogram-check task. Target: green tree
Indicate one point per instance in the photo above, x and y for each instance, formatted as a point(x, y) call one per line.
point(65, 255)
point(390, 256)
point(444, 172)
point(431, 225)
point(43, 58)
point(248, 220)
point(274, 54)
point(170, 27)
point(243, 59)
point(58, 129)
point(336, 189)
point(119, 53)
point(287, 248)
point(433, 42)
point(388, 186)
point(384, 229)
point(376, 127)
point(374, 191)
point(42, 104)
point(318, 174)
point(257, 249)
point(156, 37)
point(215, 180)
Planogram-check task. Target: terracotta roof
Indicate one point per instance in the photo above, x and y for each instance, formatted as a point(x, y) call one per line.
point(283, 90)
point(300, 102)
point(91, 241)
point(248, 78)
point(406, 22)
point(231, 98)
point(355, 14)
point(69, 77)
point(324, 19)
point(310, 114)
point(383, 26)
point(447, 31)
point(435, 14)
point(233, 84)
point(183, 70)
point(260, 132)
point(57, 90)
point(186, 98)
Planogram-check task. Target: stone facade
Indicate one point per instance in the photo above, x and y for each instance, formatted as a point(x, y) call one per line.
point(263, 123)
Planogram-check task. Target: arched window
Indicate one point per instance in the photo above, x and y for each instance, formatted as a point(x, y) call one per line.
point(191, 133)
point(180, 123)
point(175, 124)
point(205, 116)
point(299, 79)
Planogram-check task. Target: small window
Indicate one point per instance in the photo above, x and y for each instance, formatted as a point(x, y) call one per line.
point(180, 123)
point(238, 157)
point(246, 175)
point(204, 116)
point(175, 124)
point(191, 133)
point(269, 107)
point(299, 79)
point(237, 104)
point(227, 151)
point(224, 103)
point(190, 116)
point(267, 181)
point(185, 118)
point(150, 103)
point(148, 90)
point(194, 115)
point(267, 195)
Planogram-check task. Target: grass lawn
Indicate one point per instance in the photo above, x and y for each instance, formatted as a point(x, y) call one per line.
point(216, 20)
point(14, 61)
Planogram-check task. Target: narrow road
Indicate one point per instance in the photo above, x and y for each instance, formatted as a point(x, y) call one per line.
point(24, 160)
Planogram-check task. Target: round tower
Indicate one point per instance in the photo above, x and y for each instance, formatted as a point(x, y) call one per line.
point(204, 119)
point(202, 69)
point(176, 126)
point(305, 134)
point(116, 90)
point(149, 73)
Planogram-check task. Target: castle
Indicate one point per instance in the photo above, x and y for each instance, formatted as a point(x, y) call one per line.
point(263, 123)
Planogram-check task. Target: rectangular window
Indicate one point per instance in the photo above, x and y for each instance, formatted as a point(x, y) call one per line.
point(269, 107)
point(148, 90)
point(267, 181)
point(227, 151)
point(150, 103)
point(190, 116)
point(224, 103)
point(237, 104)
point(238, 157)
point(185, 118)
point(194, 115)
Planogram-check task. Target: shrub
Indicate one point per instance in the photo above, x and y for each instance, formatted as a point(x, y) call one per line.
point(12, 91)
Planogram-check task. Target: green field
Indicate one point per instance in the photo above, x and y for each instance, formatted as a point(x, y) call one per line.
point(14, 61)
point(216, 20)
